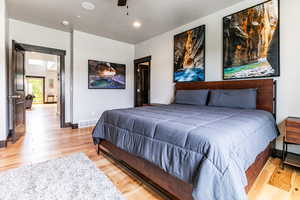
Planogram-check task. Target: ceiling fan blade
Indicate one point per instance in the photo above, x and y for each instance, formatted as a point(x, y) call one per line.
point(122, 2)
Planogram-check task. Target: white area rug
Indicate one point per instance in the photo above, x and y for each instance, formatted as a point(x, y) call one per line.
point(69, 178)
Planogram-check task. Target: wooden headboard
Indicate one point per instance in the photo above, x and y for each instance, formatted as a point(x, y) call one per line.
point(266, 90)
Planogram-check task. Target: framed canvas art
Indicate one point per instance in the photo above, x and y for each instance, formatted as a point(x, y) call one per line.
point(189, 55)
point(251, 42)
point(106, 75)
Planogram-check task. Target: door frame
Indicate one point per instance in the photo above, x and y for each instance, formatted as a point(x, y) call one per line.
point(61, 54)
point(136, 63)
point(44, 85)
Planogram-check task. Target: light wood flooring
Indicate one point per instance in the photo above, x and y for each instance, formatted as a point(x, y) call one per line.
point(44, 140)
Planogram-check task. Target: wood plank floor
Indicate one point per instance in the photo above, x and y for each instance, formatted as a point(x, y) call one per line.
point(44, 140)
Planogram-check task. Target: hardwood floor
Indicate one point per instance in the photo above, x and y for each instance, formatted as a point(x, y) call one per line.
point(44, 140)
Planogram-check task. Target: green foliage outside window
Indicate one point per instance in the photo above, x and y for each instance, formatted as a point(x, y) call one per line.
point(36, 85)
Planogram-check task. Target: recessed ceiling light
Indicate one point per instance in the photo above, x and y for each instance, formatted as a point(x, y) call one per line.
point(137, 24)
point(88, 5)
point(65, 23)
point(78, 16)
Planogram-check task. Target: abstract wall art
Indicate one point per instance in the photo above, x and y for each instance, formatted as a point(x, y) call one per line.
point(106, 75)
point(189, 55)
point(251, 42)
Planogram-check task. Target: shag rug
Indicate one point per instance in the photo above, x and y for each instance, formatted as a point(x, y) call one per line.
point(73, 177)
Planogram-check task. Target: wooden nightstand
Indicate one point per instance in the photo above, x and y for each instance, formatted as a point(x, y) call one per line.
point(292, 136)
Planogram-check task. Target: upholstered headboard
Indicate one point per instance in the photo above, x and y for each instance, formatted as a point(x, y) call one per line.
point(266, 90)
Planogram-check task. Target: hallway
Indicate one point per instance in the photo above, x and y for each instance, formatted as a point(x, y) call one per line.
point(42, 117)
point(42, 124)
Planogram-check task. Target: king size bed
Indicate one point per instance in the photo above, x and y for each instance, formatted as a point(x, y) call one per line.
point(201, 152)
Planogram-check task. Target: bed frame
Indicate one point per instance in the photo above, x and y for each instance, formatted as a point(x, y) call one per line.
point(171, 186)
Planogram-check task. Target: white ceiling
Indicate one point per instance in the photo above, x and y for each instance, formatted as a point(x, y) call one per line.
point(109, 20)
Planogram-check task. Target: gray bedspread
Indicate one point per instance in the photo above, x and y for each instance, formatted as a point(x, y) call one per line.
point(209, 147)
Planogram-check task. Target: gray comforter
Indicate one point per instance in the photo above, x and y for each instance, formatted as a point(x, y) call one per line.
point(209, 147)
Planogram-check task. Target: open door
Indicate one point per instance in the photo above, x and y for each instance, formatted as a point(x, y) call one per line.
point(17, 92)
point(142, 81)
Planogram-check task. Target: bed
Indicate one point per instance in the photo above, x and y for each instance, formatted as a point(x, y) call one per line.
point(194, 152)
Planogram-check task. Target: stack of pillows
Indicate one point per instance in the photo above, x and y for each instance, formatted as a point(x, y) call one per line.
point(243, 98)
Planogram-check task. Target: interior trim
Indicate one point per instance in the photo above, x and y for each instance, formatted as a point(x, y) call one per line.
point(136, 63)
point(3, 144)
point(61, 54)
point(41, 49)
point(73, 126)
point(142, 60)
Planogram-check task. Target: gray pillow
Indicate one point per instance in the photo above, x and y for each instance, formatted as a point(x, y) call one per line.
point(191, 97)
point(244, 98)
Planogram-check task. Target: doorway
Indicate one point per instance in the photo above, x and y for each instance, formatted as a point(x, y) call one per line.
point(35, 86)
point(36, 78)
point(142, 83)
point(41, 90)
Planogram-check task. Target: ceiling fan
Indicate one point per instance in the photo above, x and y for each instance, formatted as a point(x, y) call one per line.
point(122, 2)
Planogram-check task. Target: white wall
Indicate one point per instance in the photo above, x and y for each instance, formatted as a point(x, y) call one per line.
point(41, 36)
point(3, 62)
point(89, 104)
point(161, 49)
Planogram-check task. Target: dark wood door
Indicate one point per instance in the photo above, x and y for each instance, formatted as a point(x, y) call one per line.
point(142, 84)
point(17, 96)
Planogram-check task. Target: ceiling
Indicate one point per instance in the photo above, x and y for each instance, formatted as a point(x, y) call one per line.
point(109, 20)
